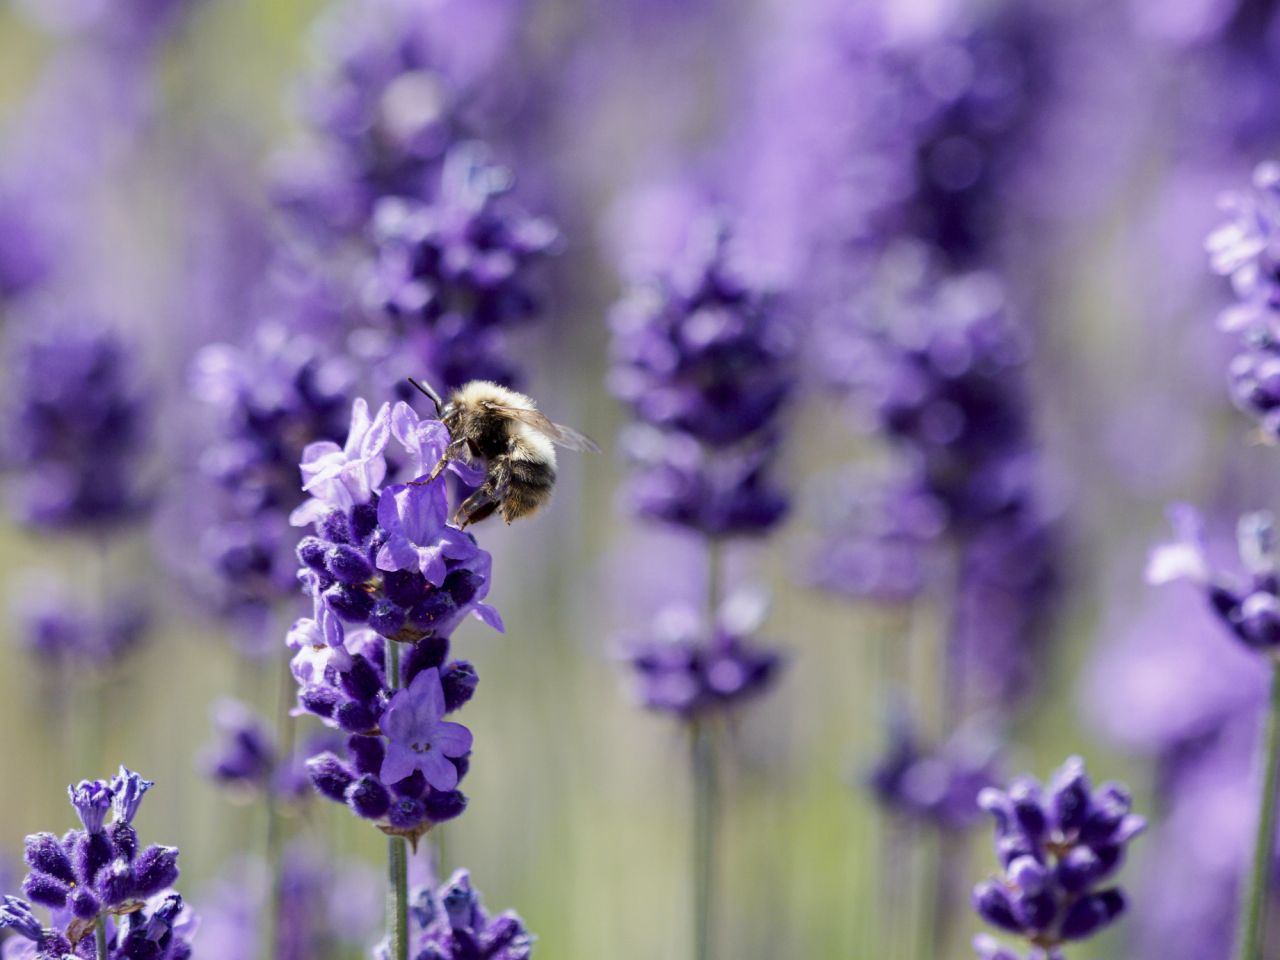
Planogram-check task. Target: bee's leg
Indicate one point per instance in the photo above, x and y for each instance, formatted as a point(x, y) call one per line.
point(453, 451)
point(488, 498)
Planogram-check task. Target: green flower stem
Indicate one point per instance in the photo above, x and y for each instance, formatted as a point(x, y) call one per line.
point(397, 854)
point(100, 938)
point(1251, 932)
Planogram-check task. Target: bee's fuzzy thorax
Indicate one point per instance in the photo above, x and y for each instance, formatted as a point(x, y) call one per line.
point(481, 391)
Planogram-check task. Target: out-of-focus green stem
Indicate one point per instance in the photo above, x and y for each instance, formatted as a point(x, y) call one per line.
point(275, 817)
point(1252, 923)
point(100, 938)
point(397, 854)
point(706, 786)
point(705, 776)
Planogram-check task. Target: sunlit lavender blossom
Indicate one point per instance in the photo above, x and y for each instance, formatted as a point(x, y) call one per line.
point(269, 400)
point(77, 424)
point(384, 558)
point(1057, 846)
point(454, 274)
point(101, 871)
point(450, 923)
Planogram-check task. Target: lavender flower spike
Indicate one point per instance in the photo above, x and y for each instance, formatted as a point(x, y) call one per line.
point(418, 739)
point(1057, 846)
point(102, 877)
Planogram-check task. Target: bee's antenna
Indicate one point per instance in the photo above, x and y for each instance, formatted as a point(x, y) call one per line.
point(427, 389)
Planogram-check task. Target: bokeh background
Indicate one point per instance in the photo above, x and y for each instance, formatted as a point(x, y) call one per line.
point(1074, 150)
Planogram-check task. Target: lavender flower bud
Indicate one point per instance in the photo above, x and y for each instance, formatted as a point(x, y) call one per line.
point(45, 854)
point(368, 798)
point(156, 868)
point(330, 776)
point(16, 915)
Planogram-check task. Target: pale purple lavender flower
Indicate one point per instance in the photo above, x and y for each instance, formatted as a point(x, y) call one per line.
point(78, 463)
point(101, 871)
point(1247, 603)
point(419, 738)
point(1057, 846)
point(450, 923)
point(938, 367)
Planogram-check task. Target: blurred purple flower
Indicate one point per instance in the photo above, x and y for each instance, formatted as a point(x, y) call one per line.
point(267, 402)
point(78, 463)
point(680, 669)
point(454, 273)
point(938, 786)
point(704, 360)
point(1248, 605)
point(325, 905)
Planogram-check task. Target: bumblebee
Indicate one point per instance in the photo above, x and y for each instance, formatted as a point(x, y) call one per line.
point(515, 441)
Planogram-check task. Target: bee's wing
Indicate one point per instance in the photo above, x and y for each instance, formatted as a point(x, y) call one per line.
point(557, 433)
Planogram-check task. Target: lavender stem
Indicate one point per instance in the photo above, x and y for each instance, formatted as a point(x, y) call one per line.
point(702, 754)
point(100, 938)
point(1253, 907)
point(397, 854)
point(705, 802)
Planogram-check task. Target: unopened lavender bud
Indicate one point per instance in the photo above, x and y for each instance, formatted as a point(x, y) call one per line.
point(44, 853)
point(330, 775)
point(84, 904)
point(45, 890)
point(459, 681)
point(367, 753)
point(368, 798)
point(1092, 913)
point(991, 902)
point(348, 565)
point(155, 869)
point(1069, 796)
